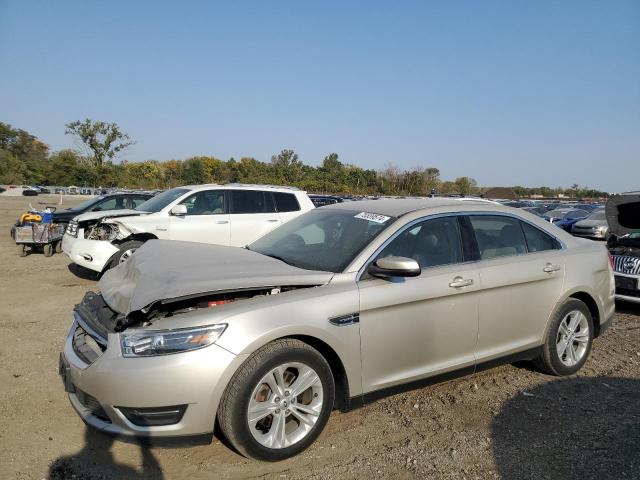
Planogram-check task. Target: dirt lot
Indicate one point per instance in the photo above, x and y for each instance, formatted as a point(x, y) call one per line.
point(510, 422)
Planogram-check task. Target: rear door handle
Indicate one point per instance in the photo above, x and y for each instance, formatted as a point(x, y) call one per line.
point(272, 220)
point(549, 268)
point(460, 282)
point(222, 222)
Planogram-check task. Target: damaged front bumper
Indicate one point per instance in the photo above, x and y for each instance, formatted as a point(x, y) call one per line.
point(160, 396)
point(91, 254)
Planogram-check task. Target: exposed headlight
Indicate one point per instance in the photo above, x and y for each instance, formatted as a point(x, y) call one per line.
point(141, 343)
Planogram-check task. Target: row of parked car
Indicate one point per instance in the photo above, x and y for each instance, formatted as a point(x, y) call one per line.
point(247, 307)
point(586, 220)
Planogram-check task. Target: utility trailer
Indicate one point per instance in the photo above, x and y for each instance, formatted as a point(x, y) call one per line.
point(47, 236)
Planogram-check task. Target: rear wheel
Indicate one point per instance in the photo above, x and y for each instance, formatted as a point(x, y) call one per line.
point(22, 250)
point(569, 339)
point(125, 251)
point(48, 249)
point(58, 248)
point(278, 401)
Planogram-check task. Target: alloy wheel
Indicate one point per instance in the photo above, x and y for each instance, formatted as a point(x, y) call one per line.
point(572, 339)
point(285, 405)
point(126, 255)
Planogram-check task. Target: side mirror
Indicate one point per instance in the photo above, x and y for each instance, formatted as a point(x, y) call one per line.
point(394, 267)
point(179, 210)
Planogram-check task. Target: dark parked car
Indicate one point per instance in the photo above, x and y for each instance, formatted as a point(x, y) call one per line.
point(518, 204)
point(322, 200)
point(114, 201)
point(540, 211)
point(30, 192)
point(565, 217)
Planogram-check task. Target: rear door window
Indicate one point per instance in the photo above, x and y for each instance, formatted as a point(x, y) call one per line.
point(137, 200)
point(498, 236)
point(537, 240)
point(286, 202)
point(251, 201)
point(113, 203)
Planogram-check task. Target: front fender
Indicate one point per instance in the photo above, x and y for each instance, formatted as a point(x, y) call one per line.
point(305, 312)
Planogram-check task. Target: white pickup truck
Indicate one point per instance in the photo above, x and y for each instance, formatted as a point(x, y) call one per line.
point(231, 214)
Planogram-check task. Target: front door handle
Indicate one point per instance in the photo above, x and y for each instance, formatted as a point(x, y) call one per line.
point(460, 282)
point(272, 220)
point(550, 268)
point(222, 222)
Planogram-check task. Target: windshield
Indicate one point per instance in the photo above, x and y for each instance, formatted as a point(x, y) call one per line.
point(323, 239)
point(86, 204)
point(597, 216)
point(157, 203)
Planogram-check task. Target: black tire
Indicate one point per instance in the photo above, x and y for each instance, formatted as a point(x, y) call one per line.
point(58, 247)
point(47, 249)
point(232, 413)
point(550, 362)
point(131, 245)
point(22, 250)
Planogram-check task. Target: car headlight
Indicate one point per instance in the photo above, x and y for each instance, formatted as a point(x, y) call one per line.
point(145, 343)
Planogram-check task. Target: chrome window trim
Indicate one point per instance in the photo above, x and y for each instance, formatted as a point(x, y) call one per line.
point(361, 271)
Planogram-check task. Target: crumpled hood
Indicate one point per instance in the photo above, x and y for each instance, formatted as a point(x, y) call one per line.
point(169, 270)
point(108, 213)
point(623, 213)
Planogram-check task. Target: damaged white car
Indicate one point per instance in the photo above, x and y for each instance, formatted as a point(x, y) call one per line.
point(231, 214)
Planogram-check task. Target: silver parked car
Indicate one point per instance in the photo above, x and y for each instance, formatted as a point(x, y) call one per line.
point(336, 308)
point(594, 226)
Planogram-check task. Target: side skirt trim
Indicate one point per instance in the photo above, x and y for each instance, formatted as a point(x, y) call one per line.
point(361, 400)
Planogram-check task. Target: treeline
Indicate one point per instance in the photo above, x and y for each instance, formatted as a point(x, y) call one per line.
point(24, 159)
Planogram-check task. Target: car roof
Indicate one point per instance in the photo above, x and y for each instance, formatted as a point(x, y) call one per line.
point(243, 186)
point(396, 207)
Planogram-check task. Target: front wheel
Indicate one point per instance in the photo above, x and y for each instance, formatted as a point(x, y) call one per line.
point(125, 251)
point(569, 339)
point(278, 401)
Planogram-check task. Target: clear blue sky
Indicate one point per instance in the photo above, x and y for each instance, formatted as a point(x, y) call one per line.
point(508, 92)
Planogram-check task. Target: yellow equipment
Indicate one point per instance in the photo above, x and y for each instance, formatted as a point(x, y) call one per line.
point(30, 217)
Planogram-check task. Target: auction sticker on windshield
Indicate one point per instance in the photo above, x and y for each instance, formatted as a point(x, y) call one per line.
point(372, 217)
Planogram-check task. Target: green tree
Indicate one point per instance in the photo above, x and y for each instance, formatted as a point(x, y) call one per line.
point(287, 167)
point(104, 140)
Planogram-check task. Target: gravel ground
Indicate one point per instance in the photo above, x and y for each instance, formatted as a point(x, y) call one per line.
point(510, 422)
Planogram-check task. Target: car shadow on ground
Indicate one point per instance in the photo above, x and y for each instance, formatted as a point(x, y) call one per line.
point(83, 273)
point(96, 461)
point(582, 428)
point(628, 308)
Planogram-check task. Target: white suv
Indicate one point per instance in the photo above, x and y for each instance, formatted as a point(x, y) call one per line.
point(231, 214)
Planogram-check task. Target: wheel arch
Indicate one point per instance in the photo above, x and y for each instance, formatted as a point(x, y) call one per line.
point(141, 237)
point(586, 297)
point(340, 378)
point(592, 305)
